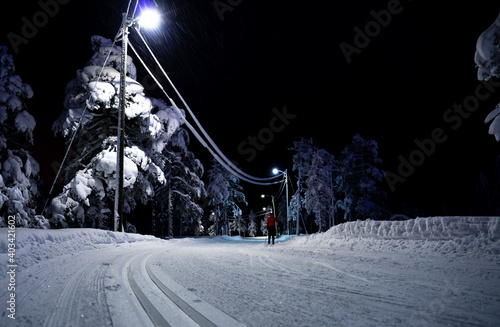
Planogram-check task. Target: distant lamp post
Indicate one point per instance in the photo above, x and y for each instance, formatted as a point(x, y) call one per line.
point(146, 18)
point(276, 171)
point(272, 198)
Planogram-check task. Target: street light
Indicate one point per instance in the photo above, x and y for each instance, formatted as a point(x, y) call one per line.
point(272, 198)
point(285, 174)
point(146, 18)
point(149, 18)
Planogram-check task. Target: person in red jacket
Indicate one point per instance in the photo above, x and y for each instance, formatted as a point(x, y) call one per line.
point(271, 228)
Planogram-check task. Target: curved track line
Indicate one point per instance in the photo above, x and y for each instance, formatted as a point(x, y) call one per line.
point(150, 309)
point(161, 294)
point(70, 309)
point(186, 308)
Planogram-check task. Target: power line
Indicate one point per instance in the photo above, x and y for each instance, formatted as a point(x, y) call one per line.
point(219, 156)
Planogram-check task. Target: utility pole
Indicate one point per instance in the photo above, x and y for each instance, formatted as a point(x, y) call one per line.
point(118, 212)
point(149, 18)
point(285, 175)
point(272, 198)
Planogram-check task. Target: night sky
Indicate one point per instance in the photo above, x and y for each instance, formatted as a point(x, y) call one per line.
point(237, 67)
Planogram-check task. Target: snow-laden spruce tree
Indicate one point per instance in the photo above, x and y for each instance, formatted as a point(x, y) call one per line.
point(302, 159)
point(90, 110)
point(252, 224)
point(183, 188)
point(226, 195)
point(487, 58)
point(238, 225)
point(357, 181)
point(18, 169)
point(319, 197)
point(281, 209)
point(263, 226)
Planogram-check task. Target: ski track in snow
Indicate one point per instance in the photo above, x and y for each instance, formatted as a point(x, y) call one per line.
point(98, 278)
point(258, 284)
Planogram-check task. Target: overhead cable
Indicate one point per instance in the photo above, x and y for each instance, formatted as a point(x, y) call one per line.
point(209, 139)
point(197, 135)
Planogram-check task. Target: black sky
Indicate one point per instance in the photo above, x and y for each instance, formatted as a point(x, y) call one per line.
point(272, 54)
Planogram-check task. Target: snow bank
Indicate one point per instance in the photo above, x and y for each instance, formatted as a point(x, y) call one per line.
point(470, 236)
point(35, 245)
point(432, 228)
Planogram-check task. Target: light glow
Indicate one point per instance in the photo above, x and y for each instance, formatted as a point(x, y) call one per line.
point(149, 18)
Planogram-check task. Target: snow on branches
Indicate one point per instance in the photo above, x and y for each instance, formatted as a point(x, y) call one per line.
point(90, 116)
point(226, 196)
point(348, 184)
point(18, 169)
point(487, 58)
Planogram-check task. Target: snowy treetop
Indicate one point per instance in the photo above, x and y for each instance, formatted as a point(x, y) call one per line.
point(91, 116)
point(18, 169)
point(487, 55)
point(487, 58)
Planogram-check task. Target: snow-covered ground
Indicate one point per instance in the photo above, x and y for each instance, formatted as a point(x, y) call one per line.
point(440, 271)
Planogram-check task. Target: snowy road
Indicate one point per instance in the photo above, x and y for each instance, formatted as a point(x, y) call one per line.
point(294, 286)
point(222, 282)
point(111, 286)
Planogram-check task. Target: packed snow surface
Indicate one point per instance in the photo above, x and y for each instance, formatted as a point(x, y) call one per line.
point(438, 271)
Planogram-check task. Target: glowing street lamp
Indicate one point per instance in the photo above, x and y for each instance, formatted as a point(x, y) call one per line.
point(272, 198)
point(146, 19)
point(149, 18)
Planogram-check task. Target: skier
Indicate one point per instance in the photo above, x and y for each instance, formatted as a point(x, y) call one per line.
point(271, 228)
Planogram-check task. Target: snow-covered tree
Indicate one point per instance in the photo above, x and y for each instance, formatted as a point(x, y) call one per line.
point(304, 150)
point(319, 197)
point(226, 195)
point(200, 227)
point(18, 169)
point(280, 209)
point(487, 58)
point(183, 187)
point(218, 193)
point(90, 117)
point(252, 224)
point(239, 225)
point(357, 180)
point(263, 226)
